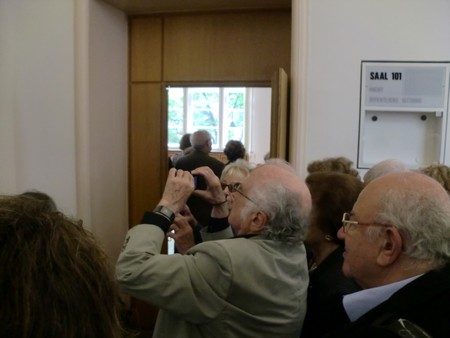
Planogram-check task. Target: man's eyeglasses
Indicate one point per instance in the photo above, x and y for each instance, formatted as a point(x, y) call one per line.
point(234, 187)
point(347, 222)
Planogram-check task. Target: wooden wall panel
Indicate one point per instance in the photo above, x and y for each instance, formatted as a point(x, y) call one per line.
point(146, 146)
point(247, 46)
point(146, 49)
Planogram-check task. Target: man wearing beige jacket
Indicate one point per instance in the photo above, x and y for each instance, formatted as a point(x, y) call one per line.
point(253, 285)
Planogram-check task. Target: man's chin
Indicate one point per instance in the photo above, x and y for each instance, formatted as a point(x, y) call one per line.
point(346, 271)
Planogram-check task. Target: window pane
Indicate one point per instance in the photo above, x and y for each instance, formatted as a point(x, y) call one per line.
point(234, 114)
point(221, 111)
point(175, 119)
point(203, 111)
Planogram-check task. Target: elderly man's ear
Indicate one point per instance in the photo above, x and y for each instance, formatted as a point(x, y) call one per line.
point(391, 245)
point(258, 221)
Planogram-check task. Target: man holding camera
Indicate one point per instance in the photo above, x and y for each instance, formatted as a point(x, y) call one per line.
point(253, 285)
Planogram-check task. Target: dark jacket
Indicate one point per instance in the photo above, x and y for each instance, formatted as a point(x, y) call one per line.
point(199, 208)
point(326, 284)
point(424, 303)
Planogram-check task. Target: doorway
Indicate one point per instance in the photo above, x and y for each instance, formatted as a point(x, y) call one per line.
point(228, 113)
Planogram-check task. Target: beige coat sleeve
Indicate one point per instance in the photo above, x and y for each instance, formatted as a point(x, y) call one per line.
point(193, 286)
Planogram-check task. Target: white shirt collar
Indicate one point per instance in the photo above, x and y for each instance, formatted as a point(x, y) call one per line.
point(358, 303)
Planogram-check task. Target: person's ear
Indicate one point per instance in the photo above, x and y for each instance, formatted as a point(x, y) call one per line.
point(391, 245)
point(259, 220)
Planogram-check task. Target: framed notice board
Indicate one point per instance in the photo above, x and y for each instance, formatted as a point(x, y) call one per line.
point(404, 112)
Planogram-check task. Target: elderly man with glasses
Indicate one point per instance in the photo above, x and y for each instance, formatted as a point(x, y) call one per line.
point(397, 248)
point(253, 285)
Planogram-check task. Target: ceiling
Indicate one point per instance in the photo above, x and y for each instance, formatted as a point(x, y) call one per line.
point(160, 6)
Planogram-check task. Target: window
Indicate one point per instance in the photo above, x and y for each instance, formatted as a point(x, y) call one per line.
point(222, 111)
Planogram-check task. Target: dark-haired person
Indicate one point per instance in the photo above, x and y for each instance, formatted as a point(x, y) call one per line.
point(185, 147)
point(41, 197)
point(337, 164)
point(234, 150)
point(55, 281)
point(332, 194)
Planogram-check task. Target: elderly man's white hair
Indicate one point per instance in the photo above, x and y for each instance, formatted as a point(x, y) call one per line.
point(199, 138)
point(383, 168)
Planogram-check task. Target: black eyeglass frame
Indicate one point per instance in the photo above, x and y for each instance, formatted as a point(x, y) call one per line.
point(234, 187)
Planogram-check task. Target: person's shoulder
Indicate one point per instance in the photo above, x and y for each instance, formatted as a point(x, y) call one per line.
point(184, 160)
point(215, 163)
point(238, 245)
point(231, 245)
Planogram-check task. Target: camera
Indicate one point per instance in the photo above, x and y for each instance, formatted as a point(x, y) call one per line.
point(195, 181)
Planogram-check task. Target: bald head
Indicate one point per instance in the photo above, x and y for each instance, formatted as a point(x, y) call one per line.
point(410, 183)
point(283, 174)
point(383, 168)
point(417, 206)
point(278, 193)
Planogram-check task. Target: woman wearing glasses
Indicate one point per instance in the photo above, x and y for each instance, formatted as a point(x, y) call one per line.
point(219, 194)
point(332, 194)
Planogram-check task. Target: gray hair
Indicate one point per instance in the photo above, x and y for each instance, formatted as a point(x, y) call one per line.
point(423, 222)
point(286, 220)
point(383, 168)
point(199, 138)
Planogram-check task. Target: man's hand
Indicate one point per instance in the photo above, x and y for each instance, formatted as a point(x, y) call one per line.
point(186, 212)
point(183, 235)
point(214, 193)
point(179, 186)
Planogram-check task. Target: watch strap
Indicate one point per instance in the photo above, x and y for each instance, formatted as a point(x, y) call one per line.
point(165, 212)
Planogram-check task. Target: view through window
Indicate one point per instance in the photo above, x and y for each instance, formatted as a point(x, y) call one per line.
point(220, 110)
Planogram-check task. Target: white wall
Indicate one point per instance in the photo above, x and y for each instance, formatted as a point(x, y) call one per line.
point(37, 99)
point(260, 138)
point(330, 41)
point(63, 104)
point(108, 124)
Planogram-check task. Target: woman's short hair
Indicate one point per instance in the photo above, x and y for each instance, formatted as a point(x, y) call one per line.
point(234, 150)
point(337, 164)
point(185, 141)
point(332, 194)
point(54, 278)
point(440, 172)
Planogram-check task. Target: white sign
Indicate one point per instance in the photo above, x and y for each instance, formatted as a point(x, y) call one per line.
point(400, 85)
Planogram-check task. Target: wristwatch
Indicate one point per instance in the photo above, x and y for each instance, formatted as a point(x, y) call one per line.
point(166, 212)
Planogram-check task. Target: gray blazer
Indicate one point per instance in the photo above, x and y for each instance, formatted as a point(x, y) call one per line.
point(235, 287)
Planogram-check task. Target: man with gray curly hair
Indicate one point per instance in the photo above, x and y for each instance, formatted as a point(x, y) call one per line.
point(397, 248)
point(252, 285)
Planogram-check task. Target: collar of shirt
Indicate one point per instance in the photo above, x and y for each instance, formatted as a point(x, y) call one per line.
point(358, 303)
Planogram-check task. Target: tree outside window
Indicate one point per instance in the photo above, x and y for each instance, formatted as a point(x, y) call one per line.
point(220, 110)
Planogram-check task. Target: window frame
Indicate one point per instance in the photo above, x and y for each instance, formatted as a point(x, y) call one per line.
point(222, 130)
